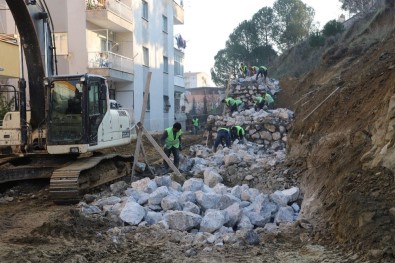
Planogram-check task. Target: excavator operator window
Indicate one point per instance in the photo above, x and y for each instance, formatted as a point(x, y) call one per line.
point(65, 116)
point(97, 107)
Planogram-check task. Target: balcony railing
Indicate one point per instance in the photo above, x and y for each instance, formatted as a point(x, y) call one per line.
point(115, 6)
point(110, 60)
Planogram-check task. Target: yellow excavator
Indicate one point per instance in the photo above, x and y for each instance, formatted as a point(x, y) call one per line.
point(71, 119)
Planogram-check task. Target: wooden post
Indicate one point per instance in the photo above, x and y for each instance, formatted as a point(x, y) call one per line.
point(140, 130)
point(138, 127)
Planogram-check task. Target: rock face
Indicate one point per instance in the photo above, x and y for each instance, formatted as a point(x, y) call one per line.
point(344, 140)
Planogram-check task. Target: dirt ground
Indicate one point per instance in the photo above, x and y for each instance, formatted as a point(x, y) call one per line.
point(33, 229)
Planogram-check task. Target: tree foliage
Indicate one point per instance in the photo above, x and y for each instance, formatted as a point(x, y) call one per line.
point(264, 22)
point(294, 20)
point(254, 42)
point(316, 39)
point(332, 28)
point(356, 6)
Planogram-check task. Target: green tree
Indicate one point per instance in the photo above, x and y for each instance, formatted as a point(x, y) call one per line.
point(225, 64)
point(356, 6)
point(332, 28)
point(316, 39)
point(294, 20)
point(264, 22)
point(242, 41)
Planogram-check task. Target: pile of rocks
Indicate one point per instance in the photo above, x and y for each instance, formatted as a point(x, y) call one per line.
point(265, 127)
point(246, 89)
point(248, 163)
point(199, 205)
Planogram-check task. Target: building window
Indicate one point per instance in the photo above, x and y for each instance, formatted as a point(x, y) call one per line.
point(164, 24)
point(165, 65)
point(145, 10)
point(178, 65)
point(177, 102)
point(166, 103)
point(146, 56)
point(61, 44)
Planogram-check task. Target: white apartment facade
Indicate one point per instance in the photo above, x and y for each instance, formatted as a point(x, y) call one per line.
point(197, 80)
point(123, 40)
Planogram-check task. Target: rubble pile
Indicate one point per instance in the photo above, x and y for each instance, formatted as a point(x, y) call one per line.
point(203, 207)
point(247, 88)
point(265, 127)
point(248, 163)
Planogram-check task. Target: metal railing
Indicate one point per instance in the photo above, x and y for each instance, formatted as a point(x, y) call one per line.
point(115, 6)
point(107, 59)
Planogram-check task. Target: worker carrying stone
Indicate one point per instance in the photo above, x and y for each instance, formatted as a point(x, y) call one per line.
point(233, 104)
point(195, 125)
point(237, 133)
point(171, 140)
point(223, 137)
point(259, 103)
point(268, 100)
point(263, 72)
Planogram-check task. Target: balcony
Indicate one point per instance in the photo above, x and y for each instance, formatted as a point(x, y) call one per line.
point(178, 11)
point(111, 65)
point(111, 14)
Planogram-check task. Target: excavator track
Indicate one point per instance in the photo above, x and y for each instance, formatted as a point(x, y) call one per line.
point(68, 183)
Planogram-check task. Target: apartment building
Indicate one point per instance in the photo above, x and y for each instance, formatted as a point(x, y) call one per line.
point(123, 40)
point(197, 79)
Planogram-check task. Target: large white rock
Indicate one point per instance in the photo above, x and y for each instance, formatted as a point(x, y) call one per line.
point(212, 221)
point(211, 177)
point(132, 213)
point(181, 220)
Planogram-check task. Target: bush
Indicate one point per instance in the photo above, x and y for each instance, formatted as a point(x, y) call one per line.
point(316, 40)
point(332, 28)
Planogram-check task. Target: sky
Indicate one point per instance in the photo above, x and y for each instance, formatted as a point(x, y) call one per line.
point(208, 24)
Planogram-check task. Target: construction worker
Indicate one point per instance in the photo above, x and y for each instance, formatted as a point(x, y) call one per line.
point(237, 132)
point(268, 100)
point(259, 102)
point(254, 70)
point(195, 125)
point(263, 72)
point(231, 103)
point(223, 137)
point(239, 104)
point(243, 70)
point(171, 140)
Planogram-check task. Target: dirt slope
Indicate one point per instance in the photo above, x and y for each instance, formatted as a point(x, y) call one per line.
point(343, 137)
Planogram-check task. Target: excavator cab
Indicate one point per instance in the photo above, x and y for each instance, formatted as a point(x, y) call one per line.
point(76, 108)
point(79, 116)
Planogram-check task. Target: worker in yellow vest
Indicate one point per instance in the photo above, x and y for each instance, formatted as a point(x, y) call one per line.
point(171, 140)
point(195, 125)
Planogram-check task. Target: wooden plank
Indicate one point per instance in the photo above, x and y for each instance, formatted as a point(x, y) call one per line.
point(161, 152)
